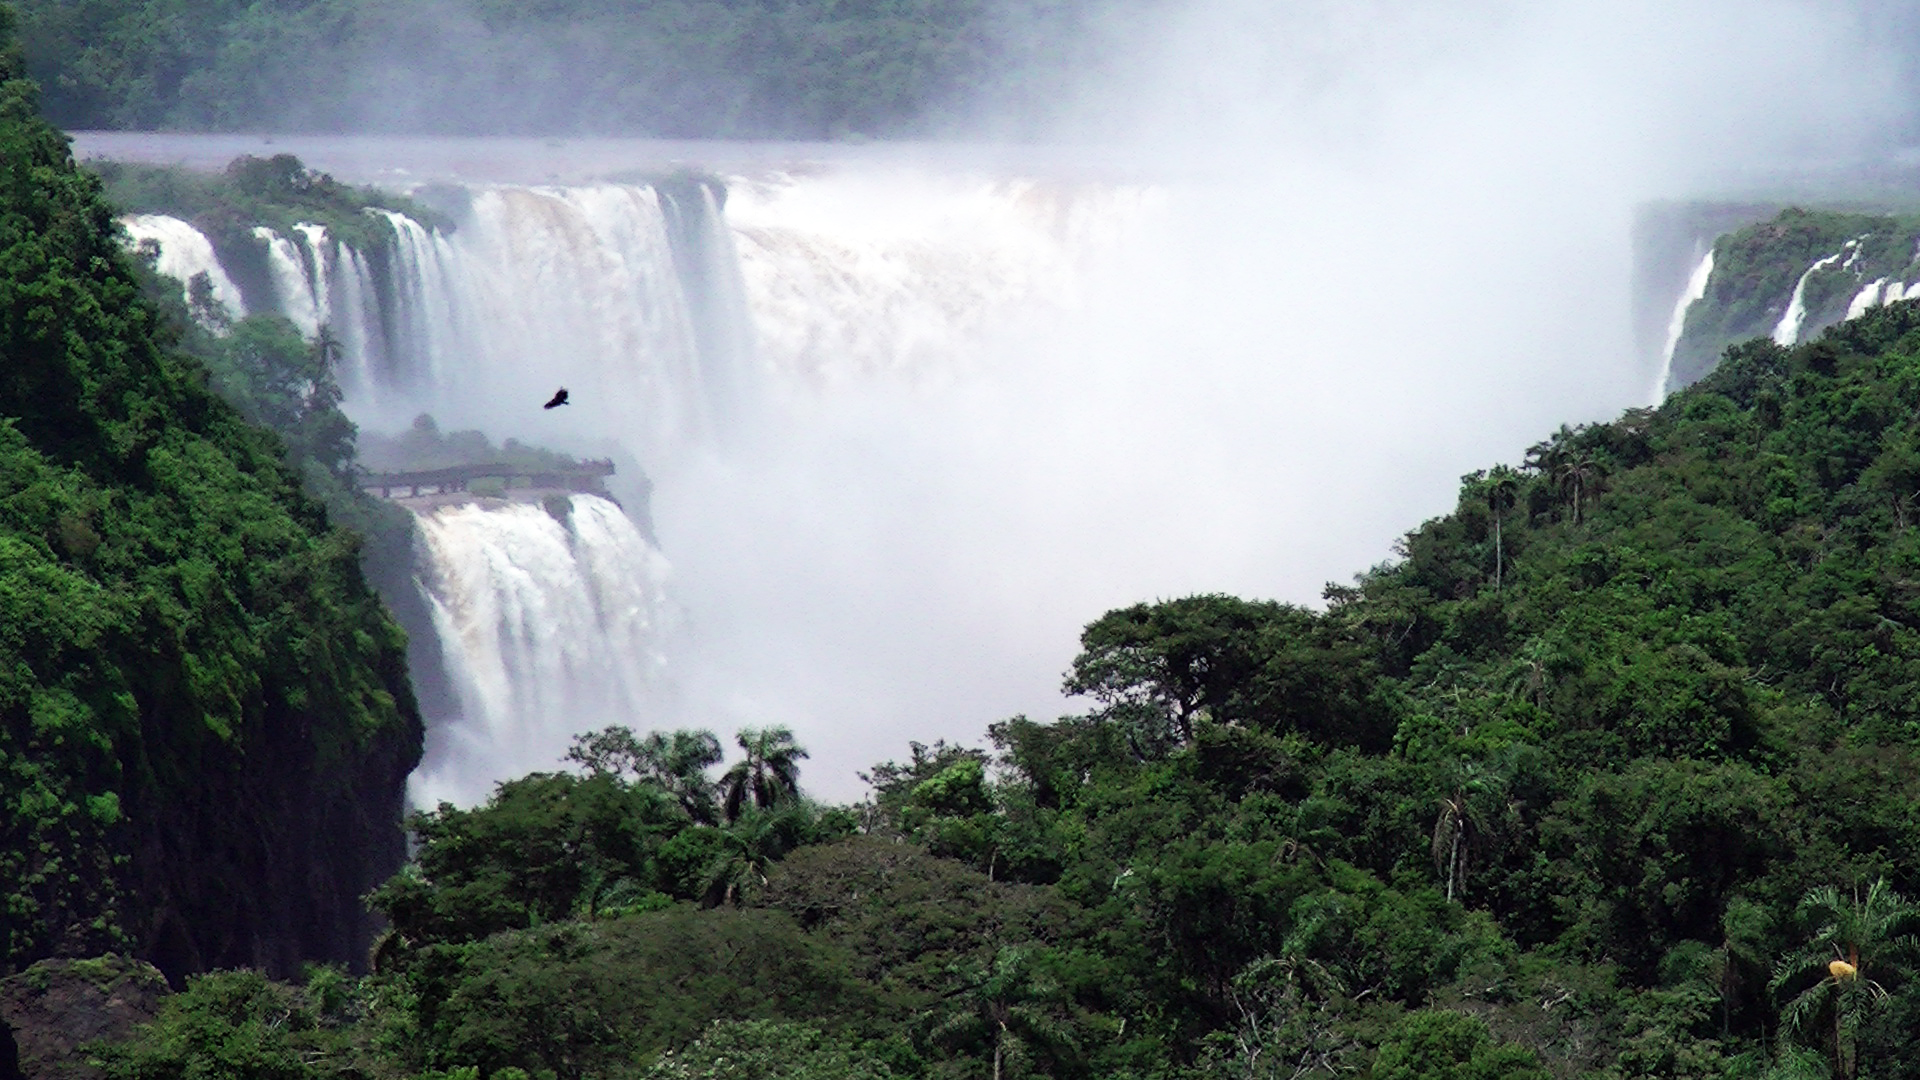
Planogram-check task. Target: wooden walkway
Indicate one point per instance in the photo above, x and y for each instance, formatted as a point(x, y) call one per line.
point(587, 476)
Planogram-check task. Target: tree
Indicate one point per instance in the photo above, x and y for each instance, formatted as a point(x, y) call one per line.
point(747, 847)
point(768, 1050)
point(1578, 479)
point(1469, 819)
point(768, 776)
point(1851, 937)
point(1503, 489)
point(1010, 1005)
point(1434, 1044)
point(280, 380)
point(674, 761)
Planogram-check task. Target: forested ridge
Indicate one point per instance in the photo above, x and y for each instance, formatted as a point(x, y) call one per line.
point(1610, 772)
point(205, 721)
point(800, 69)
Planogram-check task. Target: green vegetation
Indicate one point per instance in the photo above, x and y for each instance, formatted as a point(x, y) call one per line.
point(425, 446)
point(1756, 268)
point(1612, 773)
point(190, 660)
point(278, 192)
point(754, 69)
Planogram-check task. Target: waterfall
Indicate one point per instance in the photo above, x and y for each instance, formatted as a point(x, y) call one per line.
point(675, 310)
point(1695, 290)
point(293, 290)
point(185, 252)
point(1867, 298)
point(550, 622)
point(847, 278)
point(356, 322)
point(1787, 330)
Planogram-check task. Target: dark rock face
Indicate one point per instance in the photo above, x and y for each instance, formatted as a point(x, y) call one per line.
point(9, 1054)
point(263, 864)
point(54, 1008)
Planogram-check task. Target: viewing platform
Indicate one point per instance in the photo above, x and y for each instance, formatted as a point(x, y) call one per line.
point(587, 477)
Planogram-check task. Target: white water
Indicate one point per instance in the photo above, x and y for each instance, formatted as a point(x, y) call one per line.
point(292, 286)
point(184, 253)
point(1868, 297)
point(1696, 288)
point(1787, 330)
point(549, 629)
point(1245, 395)
point(904, 273)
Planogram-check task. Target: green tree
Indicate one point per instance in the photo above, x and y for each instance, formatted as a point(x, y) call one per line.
point(1435, 1044)
point(1014, 1007)
point(1850, 939)
point(1503, 489)
point(769, 774)
point(674, 761)
point(768, 1050)
point(281, 381)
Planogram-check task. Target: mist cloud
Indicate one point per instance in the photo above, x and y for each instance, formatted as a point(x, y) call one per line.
point(1394, 250)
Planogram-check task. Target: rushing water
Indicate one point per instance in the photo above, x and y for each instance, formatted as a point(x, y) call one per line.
point(913, 417)
point(551, 620)
point(683, 311)
point(1696, 288)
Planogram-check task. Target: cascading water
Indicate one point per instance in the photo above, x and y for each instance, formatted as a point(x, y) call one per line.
point(1695, 290)
point(1787, 330)
point(185, 253)
point(293, 289)
point(672, 309)
point(550, 617)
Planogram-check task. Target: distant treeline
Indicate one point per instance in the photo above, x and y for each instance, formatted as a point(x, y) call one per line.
point(803, 69)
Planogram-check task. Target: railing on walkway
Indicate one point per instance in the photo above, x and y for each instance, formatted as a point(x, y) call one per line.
point(587, 476)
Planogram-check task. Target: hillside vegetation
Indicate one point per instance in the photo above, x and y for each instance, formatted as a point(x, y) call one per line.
point(205, 722)
point(801, 69)
point(1830, 256)
point(1610, 773)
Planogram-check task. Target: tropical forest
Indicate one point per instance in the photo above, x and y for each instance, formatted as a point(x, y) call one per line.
point(1612, 770)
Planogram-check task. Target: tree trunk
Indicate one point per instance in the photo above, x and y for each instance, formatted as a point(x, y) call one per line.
point(1453, 860)
point(1496, 551)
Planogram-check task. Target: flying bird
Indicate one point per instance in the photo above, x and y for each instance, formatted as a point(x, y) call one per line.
point(559, 399)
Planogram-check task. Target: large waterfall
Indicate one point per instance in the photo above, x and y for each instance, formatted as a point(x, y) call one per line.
point(687, 315)
point(913, 417)
point(550, 617)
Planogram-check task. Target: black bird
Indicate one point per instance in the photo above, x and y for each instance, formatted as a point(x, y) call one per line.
point(559, 399)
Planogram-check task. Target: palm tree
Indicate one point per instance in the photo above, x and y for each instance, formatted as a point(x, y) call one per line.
point(750, 845)
point(678, 762)
point(1470, 819)
point(1503, 489)
point(1011, 1005)
point(1579, 480)
point(1851, 938)
point(767, 776)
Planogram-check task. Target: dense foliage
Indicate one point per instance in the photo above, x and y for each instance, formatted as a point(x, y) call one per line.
point(747, 69)
point(203, 709)
point(1611, 773)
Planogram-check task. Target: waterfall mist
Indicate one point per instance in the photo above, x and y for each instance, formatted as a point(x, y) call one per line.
point(1315, 261)
point(1393, 248)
